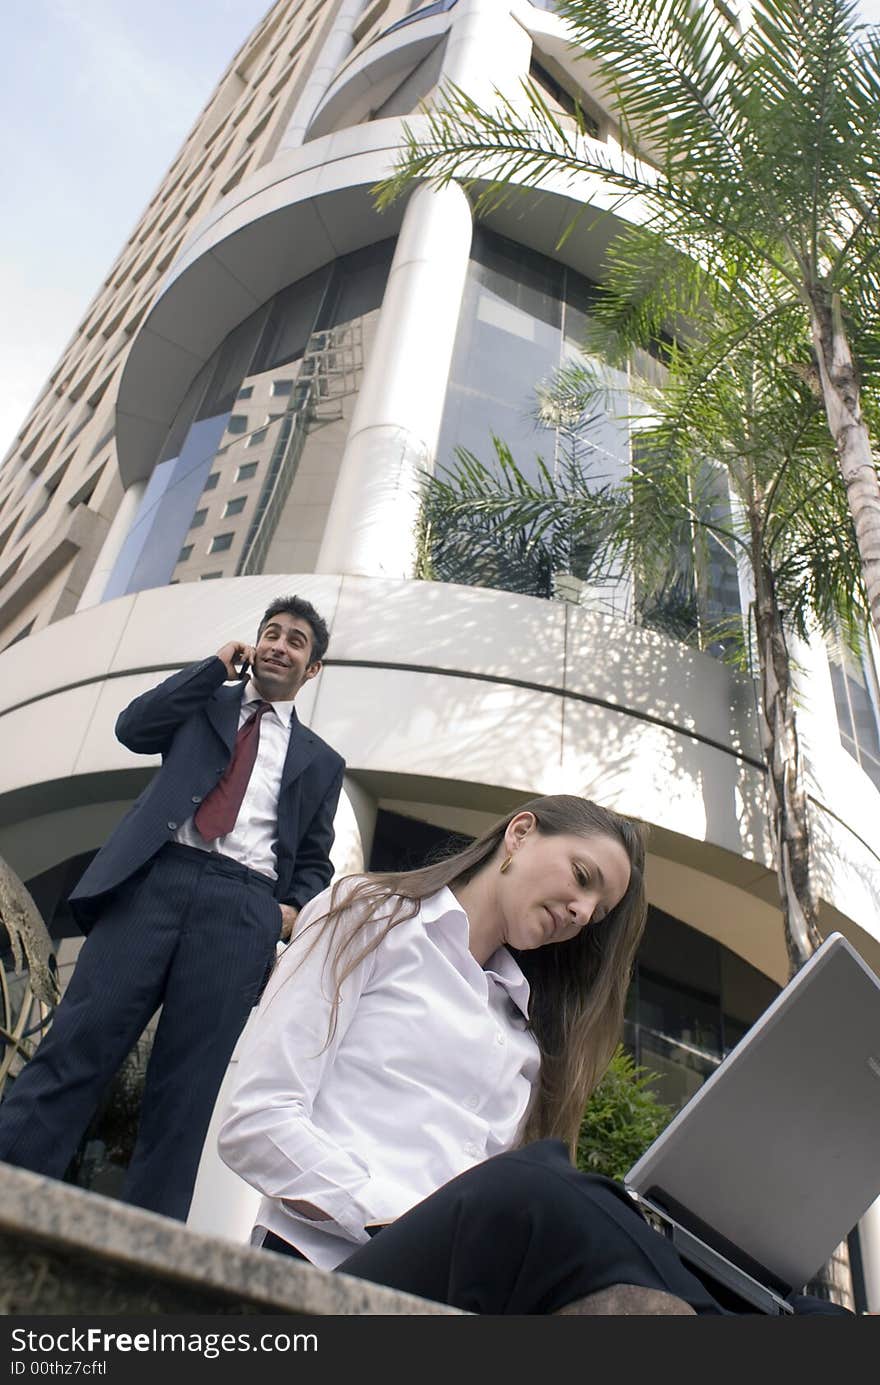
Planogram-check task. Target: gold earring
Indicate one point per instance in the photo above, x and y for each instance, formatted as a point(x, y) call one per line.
point(506, 866)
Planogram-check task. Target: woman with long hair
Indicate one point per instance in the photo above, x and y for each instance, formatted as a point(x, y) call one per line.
point(415, 1077)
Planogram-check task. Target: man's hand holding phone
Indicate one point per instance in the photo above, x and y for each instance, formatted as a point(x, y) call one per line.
point(237, 653)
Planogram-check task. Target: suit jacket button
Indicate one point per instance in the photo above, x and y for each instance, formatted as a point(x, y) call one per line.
point(196, 798)
point(172, 827)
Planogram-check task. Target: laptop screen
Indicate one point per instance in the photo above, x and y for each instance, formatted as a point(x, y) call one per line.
point(778, 1154)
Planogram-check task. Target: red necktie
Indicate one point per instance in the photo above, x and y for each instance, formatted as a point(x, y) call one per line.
point(218, 811)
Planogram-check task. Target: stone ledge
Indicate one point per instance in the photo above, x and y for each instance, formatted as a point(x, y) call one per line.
point(64, 1250)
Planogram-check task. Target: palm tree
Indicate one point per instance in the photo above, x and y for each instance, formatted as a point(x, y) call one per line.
point(749, 159)
point(756, 426)
point(476, 544)
point(752, 432)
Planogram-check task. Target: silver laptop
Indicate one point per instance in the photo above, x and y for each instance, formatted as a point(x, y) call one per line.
point(769, 1166)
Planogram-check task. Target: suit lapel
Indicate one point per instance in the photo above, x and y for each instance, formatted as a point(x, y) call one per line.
point(223, 712)
point(301, 749)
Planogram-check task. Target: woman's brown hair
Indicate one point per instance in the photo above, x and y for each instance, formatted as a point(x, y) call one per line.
point(578, 988)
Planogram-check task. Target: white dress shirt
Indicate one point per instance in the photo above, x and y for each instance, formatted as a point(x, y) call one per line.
point(431, 1070)
point(253, 840)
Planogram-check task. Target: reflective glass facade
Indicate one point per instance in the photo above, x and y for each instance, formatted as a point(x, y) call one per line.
point(857, 698)
point(222, 496)
point(523, 317)
point(690, 1002)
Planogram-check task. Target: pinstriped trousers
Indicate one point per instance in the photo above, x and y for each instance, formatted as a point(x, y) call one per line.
point(193, 932)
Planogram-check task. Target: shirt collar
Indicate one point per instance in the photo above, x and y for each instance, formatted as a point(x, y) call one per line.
point(502, 967)
point(283, 710)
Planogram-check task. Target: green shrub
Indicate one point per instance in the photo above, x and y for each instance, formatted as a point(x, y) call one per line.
point(623, 1117)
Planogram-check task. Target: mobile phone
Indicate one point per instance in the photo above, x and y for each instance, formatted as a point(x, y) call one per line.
point(244, 671)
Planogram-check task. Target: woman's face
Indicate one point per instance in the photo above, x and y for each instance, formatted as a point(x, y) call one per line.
point(555, 886)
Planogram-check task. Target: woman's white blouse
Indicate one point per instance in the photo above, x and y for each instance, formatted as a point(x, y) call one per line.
point(431, 1069)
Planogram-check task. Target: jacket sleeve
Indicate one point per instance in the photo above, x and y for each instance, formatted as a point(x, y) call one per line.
point(313, 869)
point(268, 1135)
point(148, 724)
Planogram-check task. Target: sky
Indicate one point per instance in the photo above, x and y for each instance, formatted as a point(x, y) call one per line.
point(97, 97)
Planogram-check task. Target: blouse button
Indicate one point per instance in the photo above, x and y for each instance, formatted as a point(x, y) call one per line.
point(472, 1102)
point(472, 1149)
point(499, 1037)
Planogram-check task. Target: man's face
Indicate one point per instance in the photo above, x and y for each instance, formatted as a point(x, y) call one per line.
point(282, 657)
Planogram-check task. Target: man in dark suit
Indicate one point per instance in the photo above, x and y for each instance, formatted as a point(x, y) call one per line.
point(184, 905)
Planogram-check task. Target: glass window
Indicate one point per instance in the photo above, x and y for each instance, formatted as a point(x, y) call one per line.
point(680, 1002)
point(857, 699)
point(149, 555)
point(186, 414)
point(745, 994)
point(262, 359)
point(509, 341)
point(231, 366)
point(864, 702)
point(184, 552)
point(523, 316)
point(691, 1000)
point(420, 12)
point(680, 1014)
point(358, 286)
point(210, 576)
point(717, 574)
point(235, 507)
point(220, 543)
point(601, 436)
point(291, 321)
point(558, 99)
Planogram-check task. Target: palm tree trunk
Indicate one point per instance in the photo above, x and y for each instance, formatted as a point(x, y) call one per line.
point(791, 830)
point(840, 392)
point(789, 816)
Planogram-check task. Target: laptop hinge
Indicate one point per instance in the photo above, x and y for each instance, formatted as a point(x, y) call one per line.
point(704, 1257)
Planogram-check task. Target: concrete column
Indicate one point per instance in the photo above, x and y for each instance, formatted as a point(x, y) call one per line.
point(487, 51)
point(323, 73)
point(116, 536)
point(396, 422)
point(354, 825)
point(223, 1204)
point(818, 726)
point(869, 1245)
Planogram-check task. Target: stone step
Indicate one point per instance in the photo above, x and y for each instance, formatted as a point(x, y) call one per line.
point(65, 1250)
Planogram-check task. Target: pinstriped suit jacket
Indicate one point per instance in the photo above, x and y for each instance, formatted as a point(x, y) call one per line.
point(191, 719)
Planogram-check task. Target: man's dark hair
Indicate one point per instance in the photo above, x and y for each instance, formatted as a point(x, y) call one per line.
point(298, 606)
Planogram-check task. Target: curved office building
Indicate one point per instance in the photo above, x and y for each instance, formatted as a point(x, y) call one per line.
point(246, 410)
